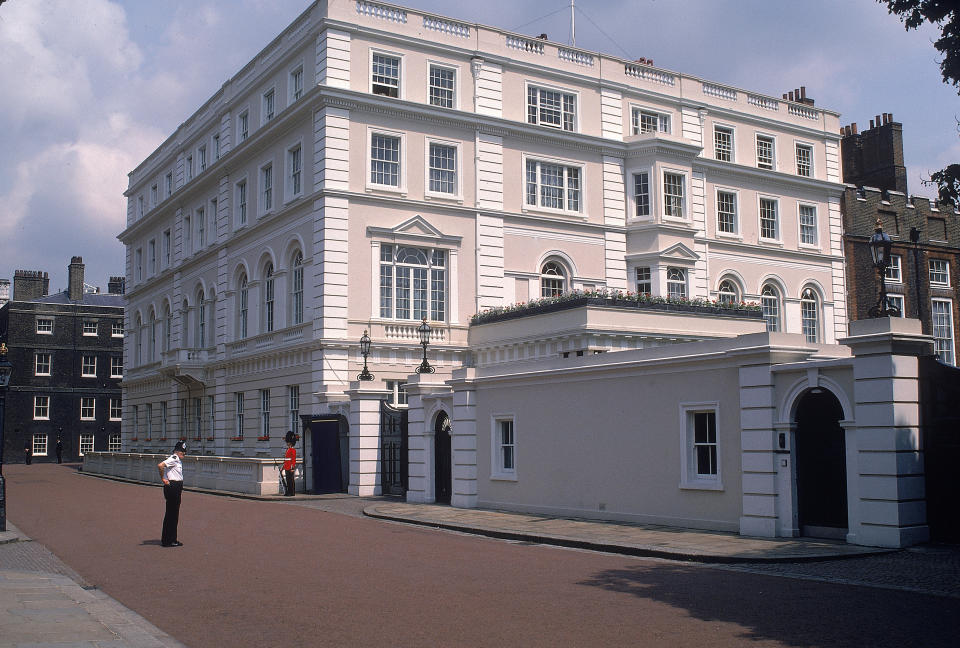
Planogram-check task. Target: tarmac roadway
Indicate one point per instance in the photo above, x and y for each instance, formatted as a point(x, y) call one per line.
point(315, 572)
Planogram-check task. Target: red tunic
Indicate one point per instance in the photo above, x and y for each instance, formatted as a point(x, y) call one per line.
point(290, 459)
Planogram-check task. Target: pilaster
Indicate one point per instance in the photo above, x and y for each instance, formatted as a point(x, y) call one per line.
point(463, 439)
point(365, 439)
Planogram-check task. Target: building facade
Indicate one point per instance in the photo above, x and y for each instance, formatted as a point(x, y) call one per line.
point(67, 356)
point(376, 166)
point(922, 281)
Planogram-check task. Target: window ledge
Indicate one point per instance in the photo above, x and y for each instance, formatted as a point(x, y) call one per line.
point(263, 438)
point(807, 246)
point(702, 484)
point(453, 198)
point(530, 209)
point(236, 438)
point(400, 191)
point(770, 242)
point(503, 477)
point(730, 236)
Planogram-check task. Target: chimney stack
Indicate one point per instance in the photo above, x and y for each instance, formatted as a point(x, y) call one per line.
point(116, 285)
point(75, 271)
point(29, 285)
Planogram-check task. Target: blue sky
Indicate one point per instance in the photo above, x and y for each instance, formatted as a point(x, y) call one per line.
point(89, 88)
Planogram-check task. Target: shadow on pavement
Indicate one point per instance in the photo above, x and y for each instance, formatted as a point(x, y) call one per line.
point(795, 613)
point(155, 543)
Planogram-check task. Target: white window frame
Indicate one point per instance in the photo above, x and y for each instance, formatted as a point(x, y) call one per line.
point(241, 211)
point(140, 209)
point(200, 224)
point(87, 441)
point(138, 264)
point(690, 477)
point(770, 317)
point(664, 120)
point(400, 72)
point(44, 326)
point(152, 256)
point(114, 442)
point(817, 336)
point(401, 186)
point(215, 145)
point(88, 370)
point(188, 167)
point(778, 229)
point(39, 444)
point(186, 235)
point(116, 329)
point(731, 295)
point(894, 271)
point(733, 141)
point(797, 145)
point(457, 193)
point(87, 325)
point(945, 272)
point(897, 302)
point(566, 165)
point(116, 366)
point(945, 346)
point(773, 150)
point(675, 282)
point(268, 105)
point(497, 457)
point(166, 247)
point(154, 195)
point(202, 158)
point(651, 194)
point(431, 305)
point(41, 408)
point(643, 278)
point(736, 211)
point(455, 99)
point(398, 393)
point(267, 200)
point(293, 407)
point(42, 363)
point(540, 87)
point(168, 185)
point(264, 414)
point(115, 411)
point(291, 174)
point(801, 226)
point(243, 125)
point(684, 199)
point(88, 404)
point(293, 92)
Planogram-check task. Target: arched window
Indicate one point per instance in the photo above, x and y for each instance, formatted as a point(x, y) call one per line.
point(552, 279)
point(296, 290)
point(770, 303)
point(677, 283)
point(268, 299)
point(243, 307)
point(167, 324)
point(413, 283)
point(810, 315)
point(139, 358)
point(727, 292)
point(201, 322)
point(185, 325)
point(153, 336)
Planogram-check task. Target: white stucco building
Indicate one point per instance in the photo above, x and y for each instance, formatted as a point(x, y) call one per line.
point(374, 166)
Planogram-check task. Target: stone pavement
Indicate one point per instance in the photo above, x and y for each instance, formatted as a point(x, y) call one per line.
point(619, 537)
point(45, 603)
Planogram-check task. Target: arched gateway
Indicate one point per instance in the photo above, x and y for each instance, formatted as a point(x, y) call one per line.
point(442, 459)
point(821, 464)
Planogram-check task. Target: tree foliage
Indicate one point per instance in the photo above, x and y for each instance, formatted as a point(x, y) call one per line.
point(944, 14)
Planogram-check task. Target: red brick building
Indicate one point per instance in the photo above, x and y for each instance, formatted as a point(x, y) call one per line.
point(924, 278)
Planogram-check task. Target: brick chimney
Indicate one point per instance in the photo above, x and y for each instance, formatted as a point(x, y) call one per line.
point(116, 285)
point(29, 285)
point(874, 157)
point(75, 270)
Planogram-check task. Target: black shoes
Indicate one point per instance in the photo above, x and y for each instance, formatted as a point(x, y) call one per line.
point(173, 544)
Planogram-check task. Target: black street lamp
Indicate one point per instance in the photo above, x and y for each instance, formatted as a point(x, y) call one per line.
point(424, 332)
point(365, 351)
point(880, 250)
point(5, 370)
point(915, 239)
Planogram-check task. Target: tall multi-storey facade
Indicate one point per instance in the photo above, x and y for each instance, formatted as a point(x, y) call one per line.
point(67, 356)
point(376, 166)
point(923, 278)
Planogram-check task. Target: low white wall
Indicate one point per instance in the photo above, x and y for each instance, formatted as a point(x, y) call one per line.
point(253, 476)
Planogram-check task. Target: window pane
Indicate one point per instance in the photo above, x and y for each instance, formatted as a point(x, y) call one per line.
point(727, 212)
point(386, 75)
point(768, 219)
point(808, 225)
point(441, 86)
point(385, 160)
point(641, 191)
point(443, 168)
point(673, 195)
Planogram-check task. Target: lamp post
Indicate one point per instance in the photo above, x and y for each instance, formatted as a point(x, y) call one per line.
point(5, 370)
point(915, 239)
point(424, 332)
point(365, 351)
point(880, 250)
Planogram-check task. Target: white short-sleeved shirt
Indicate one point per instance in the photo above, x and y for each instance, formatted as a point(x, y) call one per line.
point(174, 468)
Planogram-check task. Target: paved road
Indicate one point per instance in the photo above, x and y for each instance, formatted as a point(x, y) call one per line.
point(265, 573)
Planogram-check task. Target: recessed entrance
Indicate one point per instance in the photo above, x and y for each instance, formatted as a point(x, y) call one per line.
point(821, 462)
point(441, 459)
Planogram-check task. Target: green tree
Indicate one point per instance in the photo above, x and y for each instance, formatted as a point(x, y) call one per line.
point(943, 14)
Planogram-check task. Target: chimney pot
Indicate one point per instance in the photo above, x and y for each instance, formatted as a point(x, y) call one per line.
point(75, 273)
point(803, 92)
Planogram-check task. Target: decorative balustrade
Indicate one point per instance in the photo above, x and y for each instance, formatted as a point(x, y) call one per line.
point(447, 26)
point(384, 12)
point(719, 91)
point(408, 332)
point(575, 56)
point(763, 102)
point(525, 44)
point(803, 111)
point(185, 356)
point(291, 335)
point(648, 74)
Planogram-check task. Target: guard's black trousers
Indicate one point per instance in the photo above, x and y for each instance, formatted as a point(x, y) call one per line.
point(171, 493)
point(289, 482)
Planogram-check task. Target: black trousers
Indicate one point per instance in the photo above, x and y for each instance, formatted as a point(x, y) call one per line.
point(288, 477)
point(171, 493)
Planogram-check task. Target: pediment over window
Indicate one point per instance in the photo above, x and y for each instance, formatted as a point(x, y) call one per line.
point(679, 252)
point(414, 230)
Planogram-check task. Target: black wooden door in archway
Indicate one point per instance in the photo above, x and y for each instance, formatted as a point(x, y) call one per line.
point(442, 459)
point(821, 463)
point(325, 453)
point(393, 449)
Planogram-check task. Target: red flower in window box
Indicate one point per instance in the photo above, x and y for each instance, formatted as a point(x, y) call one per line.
point(236, 438)
point(266, 438)
point(210, 439)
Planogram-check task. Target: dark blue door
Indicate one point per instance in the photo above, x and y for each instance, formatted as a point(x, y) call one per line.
point(325, 452)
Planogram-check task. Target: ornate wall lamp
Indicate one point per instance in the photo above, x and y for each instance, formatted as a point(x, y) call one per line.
point(365, 351)
point(880, 250)
point(424, 332)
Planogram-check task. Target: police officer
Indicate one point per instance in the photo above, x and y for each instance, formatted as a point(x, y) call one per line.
point(171, 472)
